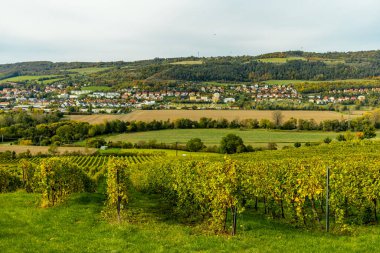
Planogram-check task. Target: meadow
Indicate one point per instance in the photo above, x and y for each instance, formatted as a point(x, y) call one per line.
point(254, 137)
point(84, 71)
point(281, 60)
point(149, 115)
point(187, 63)
point(27, 78)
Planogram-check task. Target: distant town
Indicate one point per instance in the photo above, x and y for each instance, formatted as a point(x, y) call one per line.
point(104, 99)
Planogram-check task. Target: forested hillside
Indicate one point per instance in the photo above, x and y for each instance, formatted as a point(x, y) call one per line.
point(292, 65)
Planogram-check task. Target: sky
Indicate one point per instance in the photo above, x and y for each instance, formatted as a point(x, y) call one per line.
point(113, 30)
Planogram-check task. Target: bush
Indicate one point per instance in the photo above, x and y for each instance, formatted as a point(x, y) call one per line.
point(8, 181)
point(369, 132)
point(95, 142)
point(327, 140)
point(272, 146)
point(297, 144)
point(249, 148)
point(230, 144)
point(194, 145)
point(26, 142)
point(341, 137)
point(212, 149)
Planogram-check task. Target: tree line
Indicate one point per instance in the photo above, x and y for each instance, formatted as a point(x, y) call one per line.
point(28, 130)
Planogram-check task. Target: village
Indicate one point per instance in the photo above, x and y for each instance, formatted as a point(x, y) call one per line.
point(71, 99)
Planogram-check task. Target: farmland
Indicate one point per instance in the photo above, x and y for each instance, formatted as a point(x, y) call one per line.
point(27, 78)
point(91, 70)
point(282, 60)
point(256, 137)
point(148, 115)
point(43, 149)
point(187, 63)
point(149, 223)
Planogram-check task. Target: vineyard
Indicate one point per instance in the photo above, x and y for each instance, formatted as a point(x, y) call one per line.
point(286, 186)
point(85, 162)
point(93, 166)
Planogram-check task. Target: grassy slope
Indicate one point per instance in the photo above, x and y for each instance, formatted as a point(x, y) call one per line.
point(84, 71)
point(213, 136)
point(187, 63)
point(281, 60)
point(77, 226)
point(26, 78)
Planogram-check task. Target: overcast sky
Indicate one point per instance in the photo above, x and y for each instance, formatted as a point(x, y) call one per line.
point(111, 30)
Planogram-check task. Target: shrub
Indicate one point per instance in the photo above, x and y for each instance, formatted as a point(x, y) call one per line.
point(194, 145)
point(272, 146)
point(341, 137)
point(95, 142)
point(230, 144)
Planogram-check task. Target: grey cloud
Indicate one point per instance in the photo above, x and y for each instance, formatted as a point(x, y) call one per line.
point(86, 30)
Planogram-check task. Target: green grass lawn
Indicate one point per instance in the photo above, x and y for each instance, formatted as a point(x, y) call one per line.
point(78, 226)
point(256, 137)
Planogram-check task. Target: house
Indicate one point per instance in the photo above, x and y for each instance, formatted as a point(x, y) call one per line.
point(215, 97)
point(229, 100)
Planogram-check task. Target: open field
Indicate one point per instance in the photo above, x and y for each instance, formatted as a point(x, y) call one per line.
point(149, 115)
point(50, 81)
point(83, 71)
point(281, 60)
point(26, 78)
point(255, 137)
point(77, 226)
point(284, 60)
point(187, 63)
point(43, 149)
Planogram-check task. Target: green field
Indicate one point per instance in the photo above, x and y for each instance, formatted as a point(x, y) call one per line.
point(97, 88)
point(255, 137)
point(281, 60)
point(27, 78)
point(84, 71)
point(187, 63)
